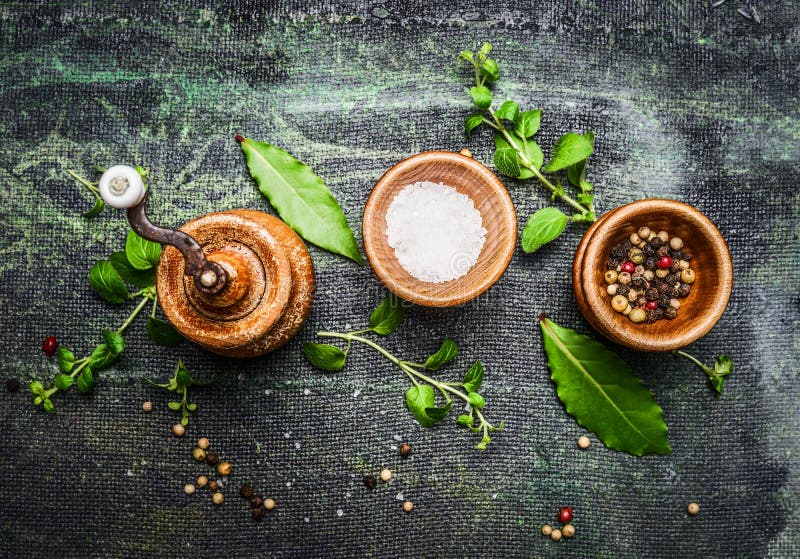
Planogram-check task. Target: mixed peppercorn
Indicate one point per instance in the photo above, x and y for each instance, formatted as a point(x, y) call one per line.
point(647, 273)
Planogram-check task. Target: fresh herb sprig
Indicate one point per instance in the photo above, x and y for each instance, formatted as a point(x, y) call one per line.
point(723, 366)
point(420, 397)
point(518, 156)
point(109, 278)
point(180, 383)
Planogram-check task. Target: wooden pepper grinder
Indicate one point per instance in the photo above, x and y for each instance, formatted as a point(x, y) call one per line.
point(240, 283)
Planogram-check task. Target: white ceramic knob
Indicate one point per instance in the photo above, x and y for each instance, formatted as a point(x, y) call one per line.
point(121, 187)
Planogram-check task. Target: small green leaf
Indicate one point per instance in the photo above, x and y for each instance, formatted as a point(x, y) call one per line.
point(476, 400)
point(182, 376)
point(66, 359)
point(387, 316)
point(490, 70)
point(97, 209)
point(325, 356)
point(474, 377)
point(471, 122)
point(418, 399)
point(105, 280)
point(64, 381)
point(174, 406)
point(114, 341)
point(528, 148)
point(509, 110)
point(36, 387)
point(162, 332)
point(466, 420)
point(527, 124)
point(466, 55)
point(191, 407)
point(570, 149)
point(85, 380)
point(481, 445)
point(723, 365)
point(37, 400)
point(446, 353)
point(481, 96)
point(141, 253)
point(438, 414)
point(101, 357)
point(576, 171)
point(129, 274)
point(48, 406)
point(542, 227)
point(184, 421)
point(505, 159)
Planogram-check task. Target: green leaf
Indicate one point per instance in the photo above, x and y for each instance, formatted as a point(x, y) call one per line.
point(418, 399)
point(529, 148)
point(474, 377)
point(527, 124)
point(505, 159)
point(85, 380)
point(95, 210)
point(438, 414)
point(466, 420)
point(325, 356)
point(66, 359)
point(387, 316)
point(476, 400)
point(723, 365)
point(182, 376)
point(509, 110)
point(101, 357)
point(36, 387)
point(141, 253)
point(184, 421)
point(301, 198)
point(542, 227)
point(174, 406)
point(576, 171)
point(48, 406)
point(162, 332)
point(481, 96)
point(129, 274)
point(105, 280)
point(490, 70)
point(64, 381)
point(446, 353)
point(486, 48)
point(114, 341)
point(600, 392)
point(191, 407)
point(466, 55)
point(471, 122)
point(570, 149)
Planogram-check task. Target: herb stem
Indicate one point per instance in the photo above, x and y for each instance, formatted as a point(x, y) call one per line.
point(693, 360)
point(145, 298)
point(82, 180)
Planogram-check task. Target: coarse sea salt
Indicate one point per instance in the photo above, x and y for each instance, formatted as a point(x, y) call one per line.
point(435, 231)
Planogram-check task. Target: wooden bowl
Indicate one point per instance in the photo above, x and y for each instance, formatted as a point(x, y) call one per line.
point(468, 177)
point(698, 313)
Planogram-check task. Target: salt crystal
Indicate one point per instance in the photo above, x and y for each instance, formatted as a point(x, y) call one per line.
point(435, 231)
point(306, 392)
point(339, 512)
point(306, 520)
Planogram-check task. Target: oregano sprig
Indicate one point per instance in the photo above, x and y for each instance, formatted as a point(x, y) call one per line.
point(723, 366)
point(518, 156)
point(180, 383)
point(420, 398)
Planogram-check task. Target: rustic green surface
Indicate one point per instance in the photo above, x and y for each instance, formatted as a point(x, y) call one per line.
point(688, 102)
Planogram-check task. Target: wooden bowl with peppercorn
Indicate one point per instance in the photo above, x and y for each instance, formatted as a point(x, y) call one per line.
point(676, 282)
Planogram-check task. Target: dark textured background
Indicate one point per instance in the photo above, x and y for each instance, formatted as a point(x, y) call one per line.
point(688, 102)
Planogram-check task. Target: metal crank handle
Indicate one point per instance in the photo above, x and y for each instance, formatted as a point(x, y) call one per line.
point(122, 187)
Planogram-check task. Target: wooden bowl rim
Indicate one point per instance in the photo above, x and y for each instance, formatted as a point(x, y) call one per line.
point(639, 338)
point(495, 188)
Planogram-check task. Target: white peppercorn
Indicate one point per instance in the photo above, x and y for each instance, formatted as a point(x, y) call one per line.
point(619, 303)
point(664, 236)
point(644, 232)
point(635, 239)
point(612, 289)
point(624, 278)
point(611, 276)
point(688, 276)
point(676, 243)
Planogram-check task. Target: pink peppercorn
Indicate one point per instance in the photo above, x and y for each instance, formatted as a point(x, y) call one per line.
point(664, 262)
point(628, 267)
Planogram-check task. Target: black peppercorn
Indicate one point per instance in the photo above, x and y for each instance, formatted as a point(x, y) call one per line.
point(405, 449)
point(663, 287)
point(648, 250)
point(623, 289)
point(641, 301)
point(686, 256)
point(670, 313)
point(674, 291)
point(619, 252)
point(651, 294)
point(650, 263)
point(626, 245)
point(12, 384)
point(370, 481)
point(675, 254)
point(663, 251)
point(675, 266)
point(256, 501)
point(212, 458)
point(671, 279)
point(656, 243)
point(638, 283)
point(246, 491)
point(684, 289)
point(612, 263)
point(663, 301)
point(257, 514)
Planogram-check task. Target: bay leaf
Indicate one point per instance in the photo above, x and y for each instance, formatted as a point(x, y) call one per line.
point(599, 390)
point(301, 198)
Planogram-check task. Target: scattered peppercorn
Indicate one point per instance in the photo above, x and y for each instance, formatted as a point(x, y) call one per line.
point(370, 482)
point(49, 345)
point(246, 491)
point(189, 489)
point(202, 481)
point(584, 442)
point(547, 530)
point(199, 454)
point(203, 443)
point(693, 509)
point(147, 406)
point(269, 504)
point(217, 498)
point(224, 468)
point(256, 501)
point(408, 506)
point(257, 514)
point(12, 384)
point(565, 515)
point(178, 430)
point(555, 534)
point(386, 475)
point(405, 449)
point(568, 530)
point(212, 458)
point(213, 485)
